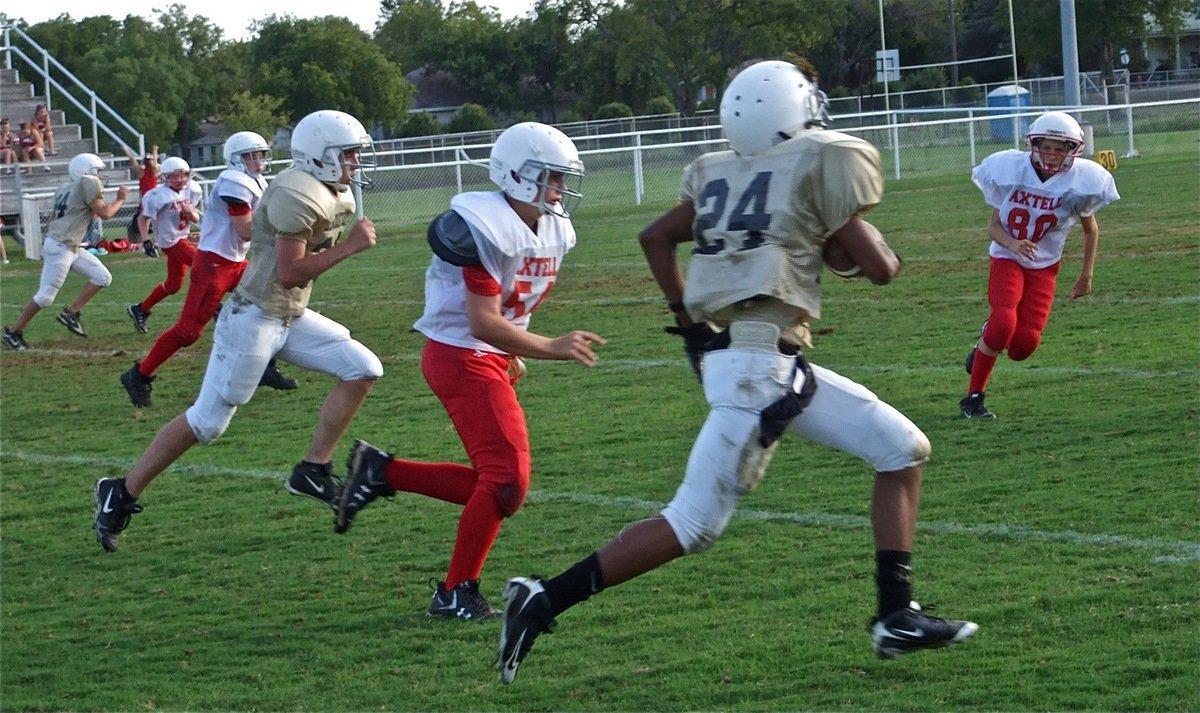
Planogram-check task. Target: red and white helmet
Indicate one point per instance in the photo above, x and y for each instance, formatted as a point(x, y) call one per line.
point(176, 172)
point(1059, 126)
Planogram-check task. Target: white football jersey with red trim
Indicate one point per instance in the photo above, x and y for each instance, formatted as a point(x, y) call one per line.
point(165, 206)
point(217, 233)
point(1037, 210)
point(523, 262)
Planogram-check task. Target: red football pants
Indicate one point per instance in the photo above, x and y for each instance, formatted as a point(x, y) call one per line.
point(179, 259)
point(1020, 300)
point(212, 277)
point(477, 392)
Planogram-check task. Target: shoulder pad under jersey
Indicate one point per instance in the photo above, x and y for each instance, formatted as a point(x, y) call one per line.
point(452, 240)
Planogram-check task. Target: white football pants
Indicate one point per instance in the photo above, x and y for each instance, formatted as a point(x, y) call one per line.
point(726, 459)
point(246, 339)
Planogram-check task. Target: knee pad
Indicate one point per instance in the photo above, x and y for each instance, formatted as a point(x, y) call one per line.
point(511, 497)
point(1023, 345)
point(45, 296)
point(188, 334)
point(694, 537)
point(998, 333)
point(208, 423)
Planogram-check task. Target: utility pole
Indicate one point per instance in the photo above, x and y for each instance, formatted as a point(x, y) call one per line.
point(953, 46)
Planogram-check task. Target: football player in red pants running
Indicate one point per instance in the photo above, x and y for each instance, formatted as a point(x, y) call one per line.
point(217, 265)
point(1036, 197)
point(496, 256)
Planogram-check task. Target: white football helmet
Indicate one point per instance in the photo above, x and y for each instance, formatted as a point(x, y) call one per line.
point(176, 172)
point(86, 164)
point(319, 143)
point(768, 103)
point(523, 159)
point(1060, 126)
point(242, 143)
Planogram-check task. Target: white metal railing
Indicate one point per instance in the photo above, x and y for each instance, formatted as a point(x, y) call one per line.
point(632, 168)
point(95, 104)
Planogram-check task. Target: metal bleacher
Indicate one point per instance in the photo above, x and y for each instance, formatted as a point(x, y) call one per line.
point(30, 76)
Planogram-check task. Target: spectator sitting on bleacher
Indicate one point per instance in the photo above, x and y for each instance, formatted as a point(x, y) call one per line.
point(8, 144)
point(30, 147)
point(41, 122)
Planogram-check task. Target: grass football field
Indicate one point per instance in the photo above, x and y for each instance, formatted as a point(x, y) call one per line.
point(1067, 528)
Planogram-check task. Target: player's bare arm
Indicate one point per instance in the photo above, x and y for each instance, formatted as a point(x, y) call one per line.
point(1091, 239)
point(1000, 236)
point(489, 325)
point(105, 211)
point(295, 266)
point(866, 246)
point(659, 241)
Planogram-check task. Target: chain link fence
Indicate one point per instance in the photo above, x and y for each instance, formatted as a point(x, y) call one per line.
point(414, 184)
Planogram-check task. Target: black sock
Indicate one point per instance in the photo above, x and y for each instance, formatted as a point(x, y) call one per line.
point(580, 581)
point(893, 576)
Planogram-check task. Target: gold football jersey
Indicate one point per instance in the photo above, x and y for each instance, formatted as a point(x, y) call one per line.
point(73, 210)
point(761, 222)
point(296, 206)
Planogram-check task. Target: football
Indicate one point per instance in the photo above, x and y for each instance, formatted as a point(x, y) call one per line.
point(837, 259)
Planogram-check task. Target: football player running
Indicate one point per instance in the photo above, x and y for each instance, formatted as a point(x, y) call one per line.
point(760, 215)
point(1036, 197)
point(294, 239)
point(217, 266)
point(496, 256)
point(76, 203)
point(171, 209)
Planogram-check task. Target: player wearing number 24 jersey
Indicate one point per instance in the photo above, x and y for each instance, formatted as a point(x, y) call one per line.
point(760, 216)
point(1036, 196)
point(496, 257)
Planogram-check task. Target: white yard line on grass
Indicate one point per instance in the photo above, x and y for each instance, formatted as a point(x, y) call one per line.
point(1164, 550)
point(1003, 368)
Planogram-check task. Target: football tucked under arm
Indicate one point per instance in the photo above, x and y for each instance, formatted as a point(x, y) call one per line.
point(838, 259)
point(857, 248)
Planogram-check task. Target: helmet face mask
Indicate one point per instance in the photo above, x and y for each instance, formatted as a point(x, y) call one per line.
point(531, 162)
point(768, 103)
point(86, 164)
point(248, 152)
point(1060, 127)
point(324, 140)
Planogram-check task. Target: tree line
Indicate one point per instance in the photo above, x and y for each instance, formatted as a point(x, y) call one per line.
point(567, 60)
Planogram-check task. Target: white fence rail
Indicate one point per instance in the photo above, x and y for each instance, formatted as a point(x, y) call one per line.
point(412, 186)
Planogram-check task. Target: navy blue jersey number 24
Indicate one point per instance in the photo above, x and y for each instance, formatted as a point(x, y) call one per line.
point(749, 214)
point(60, 206)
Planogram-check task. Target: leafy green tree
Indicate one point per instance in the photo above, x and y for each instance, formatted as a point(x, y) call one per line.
point(410, 32)
point(1102, 28)
point(614, 110)
point(420, 123)
point(659, 105)
point(327, 63)
point(258, 113)
point(690, 44)
point(470, 117)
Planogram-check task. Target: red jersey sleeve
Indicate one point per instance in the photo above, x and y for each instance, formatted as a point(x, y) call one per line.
point(480, 281)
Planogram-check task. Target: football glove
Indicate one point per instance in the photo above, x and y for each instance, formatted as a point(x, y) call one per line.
point(695, 340)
